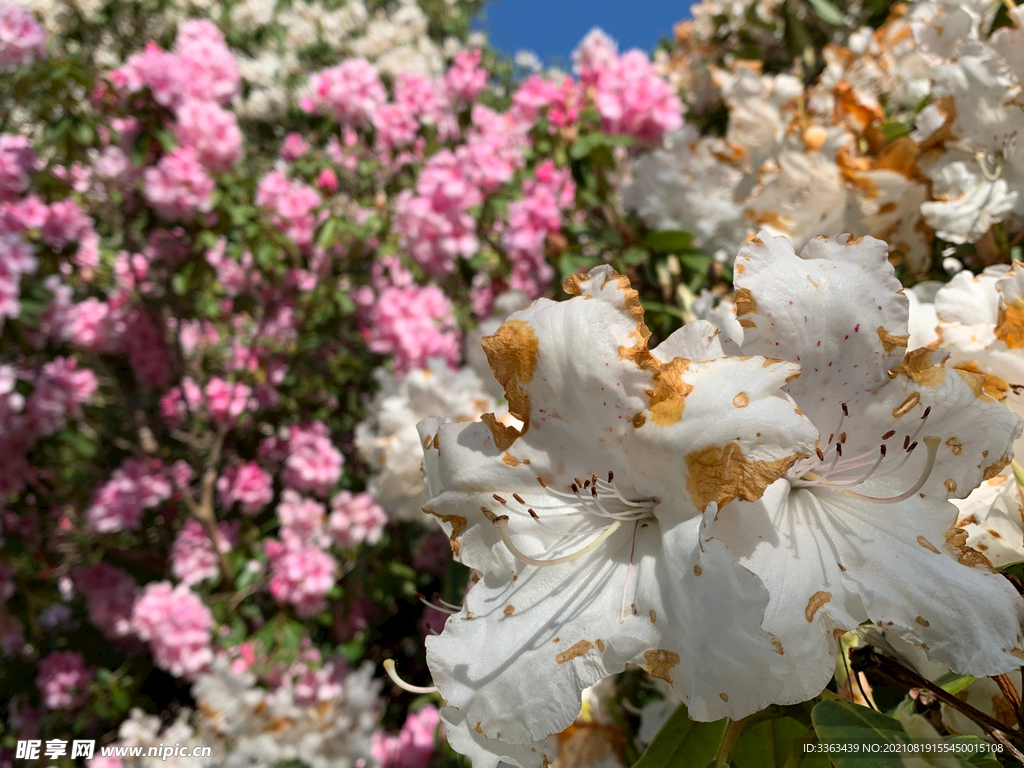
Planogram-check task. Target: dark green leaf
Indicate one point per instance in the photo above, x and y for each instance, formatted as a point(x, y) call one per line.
point(839, 722)
point(668, 241)
point(683, 743)
point(770, 743)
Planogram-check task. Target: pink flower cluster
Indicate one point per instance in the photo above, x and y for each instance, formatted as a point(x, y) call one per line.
point(356, 518)
point(118, 504)
point(313, 463)
point(211, 132)
point(301, 574)
point(413, 747)
point(110, 595)
point(17, 160)
point(177, 625)
point(22, 38)
point(530, 221)
point(629, 95)
point(560, 99)
point(16, 260)
point(179, 186)
point(301, 518)
point(292, 204)
point(351, 92)
point(248, 484)
point(227, 400)
point(411, 323)
point(201, 67)
point(193, 558)
point(465, 78)
point(62, 679)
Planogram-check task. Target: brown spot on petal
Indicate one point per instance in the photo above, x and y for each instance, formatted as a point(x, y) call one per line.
point(904, 408)
point(890, 341)
point(741, 400)
point(509, 610)
point(923, 621)
point(919, 368)
point(817, 600)
point(956, 542)
point(697, 570)
point(639, 420)
point(668, 397)
point(509, 459)
point(654, 616)
point(950, 485)
point(458, 524)
point(994, 386)
point(600, 645)
point(723, 474)
point(580, 648)
point(723, 696)
point(995, 468)
point(956, 447)
point(1018, 653)
point(777, 647)
point(512, 353)
point(745, 303)
point(660, 664)
point(927, 544)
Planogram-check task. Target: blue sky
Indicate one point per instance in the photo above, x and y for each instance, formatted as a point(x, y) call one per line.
point(552, 28)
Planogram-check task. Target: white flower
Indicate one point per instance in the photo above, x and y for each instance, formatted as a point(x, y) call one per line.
point(967, 202)
point(992, 518)
point(387, 440)
point(863, 530)
point(588, 528)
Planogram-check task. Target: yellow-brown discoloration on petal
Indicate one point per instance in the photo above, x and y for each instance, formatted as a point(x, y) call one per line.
point(1018, 653)
point(745, 303)
point(458, 524)
point(919, 368)
point(697, 570)
point(509, 459)
point(660, 663)
point(580, 648)
point(654, 616)
point(975, 381)
point(890, 341)
point(994, 386)
point(741, 400)
point(512, 353)
point(777, 647)
point(923, 621)
point(746, 322)
point(817, 600)
point(503, 436)
point(509, 610)
point(1010, 328)
point(600, 645)
point(955, 445)
point(956, 542)
point(668, 397)
point(904, 408)
point(927, 544)
point(639, 420)
point(723, 696)
point(950, 485)
point(723, 474)
point(995, 468)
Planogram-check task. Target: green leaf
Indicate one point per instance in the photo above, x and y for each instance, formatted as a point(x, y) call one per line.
point(839, 722)
point(683, 743)
point(828, 12)
point(770, 743)
point(292, 634)
point(589, 142)
point(894, 129)
point(953, 683)
point(668, 241)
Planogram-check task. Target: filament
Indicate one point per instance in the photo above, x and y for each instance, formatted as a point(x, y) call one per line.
point(932, 444)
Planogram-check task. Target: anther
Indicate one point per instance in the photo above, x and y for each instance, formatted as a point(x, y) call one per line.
point(933, 450)
point(611, 476)
point(839, 448)
point(913, 445)
point(542, 483)
point(926, 412)
point(821, 456)
point(579, 482)
point(842, 437)
point(889, 434)
point(883, 449)
point(906, 442)
point(846, 411)
point(518, 498)
point(498, 499)
point(533, 515)
point(389, 667)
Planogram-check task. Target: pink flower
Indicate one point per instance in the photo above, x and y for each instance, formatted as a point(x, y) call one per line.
point(465, 78)
point(300, 575)
point(396, 126)
point(249, 485)
point(292, 203)
point(356, 518)
point(147, 353)
point(226, 401)
point(193, 558)
point(16, 259)
point(418, 95)
point(109, 594)
point(178, 627)
point(351, 92)
point(301, 516)
point(537, 93)
point(313, 463)
point(93, 325)
point(155, 69)
point(413, 747)
point(211, 132)
point(207, 66)
point(65, 223)
point(179, 187)
point(60, 389)
point(294, 147)
point(595, 52)
point(634, 101)
point(118, 504)
point(412, 324)
point(22, 38)
point(17, 159)
point(530, 221)
point(327, 180)
point(62, 679)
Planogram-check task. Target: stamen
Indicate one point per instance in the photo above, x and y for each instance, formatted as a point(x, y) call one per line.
point(821, 456)
point(889, 434)
point(389, 667)
point(933, 451)
point(862, 478)
point(443, 608)
point(611, 477)
point(518, 498)
point(498, 499)
point(501, 523)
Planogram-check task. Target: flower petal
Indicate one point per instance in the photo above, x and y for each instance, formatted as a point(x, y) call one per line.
point(836, 309)
point(490, 753)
